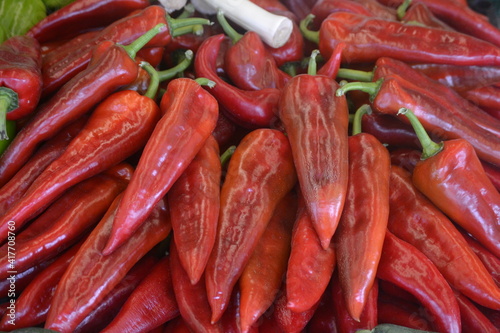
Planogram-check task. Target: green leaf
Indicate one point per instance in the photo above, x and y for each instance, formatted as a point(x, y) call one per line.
point(56, 4)
point(17, 17)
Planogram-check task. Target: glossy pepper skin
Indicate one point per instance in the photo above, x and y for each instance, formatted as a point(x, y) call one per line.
point(20, 79)
point(261, 279)
point(82, 15)
point(316, 123)
point(414, 219)
point(69, 217)
point(260, 173)
point(189, 115)
point(323, 8)
point(360, 235)
point(388, 129)
point(91, 275)
point(122, 123)
point(194, 202)
point(369, 38)
point(46, 154)
point(473, 320)
point(251, 109)
point(487, 98)
point(421, 14)
point(408, 268)
point(110, 68)
point(151, 304)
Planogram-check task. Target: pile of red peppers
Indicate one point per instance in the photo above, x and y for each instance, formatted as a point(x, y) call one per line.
point(171, 172)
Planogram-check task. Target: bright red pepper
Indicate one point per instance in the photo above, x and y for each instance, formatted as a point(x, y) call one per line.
point(361, 231)
point(92, 275)
point(260, 173)
point(82, 15)
point(261, 279)
point(318, 135)
point(151, 304)
point(408, 268)
point(450, 174)
point(369, 38)
point(67, 219)
point(247, 108)
point(189, 116)
point(414, 219)
point(20, 79)
point(123, 123)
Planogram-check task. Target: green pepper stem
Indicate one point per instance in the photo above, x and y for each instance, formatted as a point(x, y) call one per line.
point(429, 147)
point(170, 73)
point(354, 74)
point(176, 25)
point(154, 82)
point(226, 156)
point(203, 81)
point(187, 11)
point(228, 29)
point(358, 116)
point(195, 29)
point(140, 42)
point(370, 88)
point(401, 10)
point(310, 35)
point(313, 65)
point(9, 100)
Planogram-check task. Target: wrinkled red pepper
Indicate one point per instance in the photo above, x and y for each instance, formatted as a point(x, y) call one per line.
point(20, 79)
point(260, 173)
point(189, 115)
point(92, 275)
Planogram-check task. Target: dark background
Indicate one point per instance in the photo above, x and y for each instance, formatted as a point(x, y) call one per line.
point(490, 8)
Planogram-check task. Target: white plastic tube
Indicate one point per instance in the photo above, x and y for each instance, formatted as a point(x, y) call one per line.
point(172, 5)
point(274, 30)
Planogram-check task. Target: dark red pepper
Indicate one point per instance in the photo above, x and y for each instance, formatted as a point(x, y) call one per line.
point(189, 116)
point(20, 79)
point(390, 130)
point(473, 320)
point(487, 98)
point(397, 312)
point(323, 8)
point(419, 14)
point(247, 108)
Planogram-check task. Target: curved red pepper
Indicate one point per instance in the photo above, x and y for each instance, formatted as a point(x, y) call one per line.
point(123, 123)
point(20, 79)
point(189, 116)
point(405, 158)
point(473, 320)
point(487, 98)
point(388, 129)
point(397, 312)
point(247, 108)
point(92, 275)
point(421, 14)
point(318, 135)
point(261, 279)
point(150, 304)
point(415, 220)
point(194, 202)
point(310, 265)
point(82, 15)
point(323, 8)
point(408, 268)
point(260, 173)
point(67, 219)
point(361, 231)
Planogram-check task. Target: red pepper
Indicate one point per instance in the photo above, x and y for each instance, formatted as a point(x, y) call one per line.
point(318, 135)
point(389, 130)
point(405, 158)
point(151, 304)
point(20, 79)
point(408, 268)
point(369, 38)
point(194, 202)
point(473, 320)
point(419, 14)
point(176, 325)
point(361, 231)
point(123, 123)
point(48, 152)
point(450, 174)
point(189, 116)
point(59, 68)
point(323, 319)
point(247, 108)
point(82, 15)
point(414, 219)
point(487, 97)
point(344, 321)
point(310, 266)
point(260, 173)
point(191, 298)
point(34, 302)
point(111, 67)
point(51, 49)
point(332, 66)
point(248, 64)
point(261, 279)
point(323, 8)
point(92, 275)
point(390, 311)
point(67, 219)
